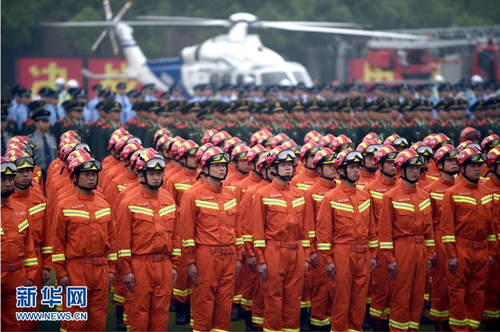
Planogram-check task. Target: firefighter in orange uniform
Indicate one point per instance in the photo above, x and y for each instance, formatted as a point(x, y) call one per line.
point(469, 240)
point(252, 297)
point(281, 242)
point(241, 168)
point(252, 156)
point(368, 171)
point(427, 154)
point(445, 160)
point(40, 226)
point(407, 241)
point(177, 186)
point(321, 302)
point(491, 311)
point(212, 243)
point(148, 246)
point(84, 252)
point(346, 239)
point(19, 261)
point(380, 282)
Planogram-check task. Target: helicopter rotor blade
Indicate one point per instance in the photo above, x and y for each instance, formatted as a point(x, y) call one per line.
point(99, 40)
point(85, 24)
point(317, 24)
point(114, 43)
point(339, 31)
point(122, 11)
point(172, 18)
point(108, 12)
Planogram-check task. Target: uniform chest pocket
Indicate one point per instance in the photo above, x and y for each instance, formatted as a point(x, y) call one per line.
point(167, 216)
point(344, 214)
point(405, 217)
point(143, 223)
point(466, 212)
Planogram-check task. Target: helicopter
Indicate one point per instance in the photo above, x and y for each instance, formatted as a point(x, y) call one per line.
point(234, 58)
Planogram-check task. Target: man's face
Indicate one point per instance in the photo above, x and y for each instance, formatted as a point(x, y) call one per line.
point(4, 124)
point(369, 161)
point(77, 115)
point(313, 115)
point(191, 161)
point(42, 125)
point(408, 116)
point(308, 161)
point(278, 117)
point(87, 179)
point(154, 177)
point(7, 185)
point(329, 171)
point(388, 168)
point(353, 171)
point(218, 170)
point(412, 172)
point(345, 116)
point(285, 168)
point(114, 116)
point(473, 171)
point(23, 177)
point(26, 100)
point(450, 165)
point(165, 120)
point(122, 91)
point(243, 167)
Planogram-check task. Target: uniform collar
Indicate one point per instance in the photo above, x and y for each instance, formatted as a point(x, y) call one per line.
point(369, 175)
point(146, 194)
point(407, 190)
point(21, 194)
point(212, 188)
point(448, 183)
point(188, 172)
point(347, 189)
point(466, 184)
point(386, 182)
point(496, 182)
point(85, 197)
point(280, 186)
point(328, 184)
point(311, 173)
point(255, 178)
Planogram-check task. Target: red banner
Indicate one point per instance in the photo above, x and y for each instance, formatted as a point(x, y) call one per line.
point(36, 73)
point(108, 67)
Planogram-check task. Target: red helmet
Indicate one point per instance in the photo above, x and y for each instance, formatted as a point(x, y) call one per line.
point(291, 145)
point(8, 167)
point(309, 149)
point(67, 140)
point(279, 154)
point(75, 154)
point(115, 137)
point(128, 150)
point(66, 150)
point(385, 153)
point(135, 157)
point(202, 150)
point(325, 156)
point(368, 147)
point(173, 149)
point(83, 163)
point(490, 142)
point(431, 140)
point(220, 138)
point(422, 149)
point(207, 136)
point(396, 141)
point(240, 152)
point(494, 156)
point(278, 139)
point(186, 148)
point(262, 162)
point(163, 143)
point(471, 134)
point(231, 143)
point(408, 157)
point(342, 142)
point(254, 153)
point(20, 159)
point(313, 135)
point(149, 159)
point(120, 132)
point(214, 155)
point(348, 156)
point(471, 155)
point(463, 145)
point(120, 143)
point(160, 133)
point(446, 152)
point(327, 140)
point(71, 134)
point(255, 137)
point(372, 136)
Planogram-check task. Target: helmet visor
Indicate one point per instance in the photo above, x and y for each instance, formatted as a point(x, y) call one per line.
point(345, 146)
point(353, 157)
point(391, 156)
point(92, 165)
point(220, 158)
point(425, 151)
point(400, 141)
point(416, 161)
point(25, 162)
point(371, 149)
point(286, 155)
point(328, 159)
point(155, 164)
point(452, 154)
point(478, 158)
point(8, 168)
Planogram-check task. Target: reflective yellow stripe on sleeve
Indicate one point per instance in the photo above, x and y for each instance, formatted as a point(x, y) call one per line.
point(102, 213)
point(430, 243)
point(317, 198)
point(436, 196)
point(112, 256)
point(182, 186)
point(298, 201)
point(365, 205)
point(324, 246)
point(373, 244)
point(58, 257)
point(341, 206)
point(37, 208)
point(403, 206)
point(76, 213)
point(448, 238)
point(424, 204)
point(464, 199)
point(166, 210)
point(259, 243)
point(376, 194)
point(230, 204)
point(273, 201)
point(141, 210)
point(125, 253)
point(239, 241)
point(206, 204)
point(312, 234)
point(22, 226)
point(46, 250)
point(30, 262)
point(188, 243)
point(486, 199)
point(305, 243)
point(491, 238)
point(176, 252)
point(386, 245)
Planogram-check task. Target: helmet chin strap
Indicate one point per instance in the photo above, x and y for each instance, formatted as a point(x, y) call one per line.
point(346, 177)
point(284, 178)
point(467, 178)
point(324, 177)
point(8, 193)
point(185, 164)
point(75, 182)
point(147, 182)
point(215, 177)
point(25, 187)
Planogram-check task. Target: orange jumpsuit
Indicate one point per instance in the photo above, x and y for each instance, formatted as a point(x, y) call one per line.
point(41, 232)
point(113, 173)
point(177, 186)
point(433, 170)
point(491, 309)
point(468, 231)
point(303, 181)
point(252, 296)
point(233, 179)
point(149, 245)
point(424, 180)
point(241, 187)
point(19, 261)
point(380, 283)
point(439, 295)
point(117, 185)
point(321, 302)
point(107, 164)
point(281, 241)
point(365, 178)
point(212, 241)
point(347, 237)
point(84, 250)
point(406, 237)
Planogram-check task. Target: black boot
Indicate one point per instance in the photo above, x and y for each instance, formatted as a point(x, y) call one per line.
point(180, 313)
point(304, 320)
point(493, 325)
point(247, 315)
point(120, 326)
point(235, 312)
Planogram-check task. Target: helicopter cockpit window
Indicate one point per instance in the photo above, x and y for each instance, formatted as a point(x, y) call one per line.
point(214, 80)
point(299, 76)
point(226, 79)
point(486, 62)
point(273, 78)
point(239, 79)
